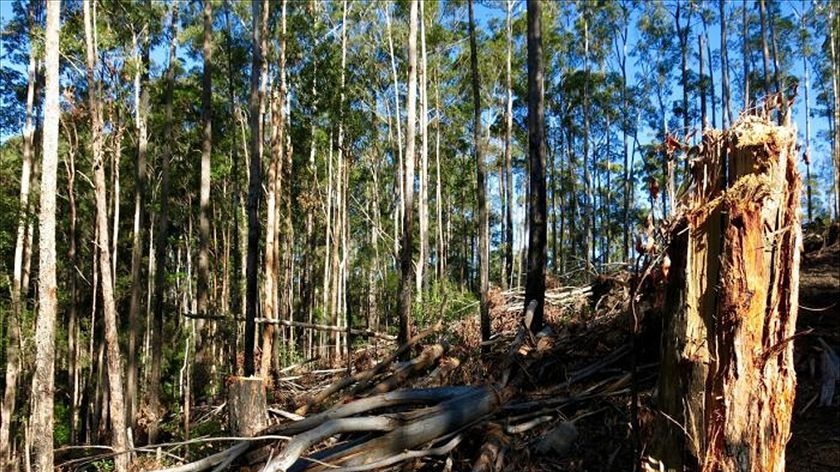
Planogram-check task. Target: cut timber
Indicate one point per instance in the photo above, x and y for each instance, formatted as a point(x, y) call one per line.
point(246, 399)
point(727, 380)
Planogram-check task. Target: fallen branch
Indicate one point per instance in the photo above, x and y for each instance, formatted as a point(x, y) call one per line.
point(363, 377)
point(420, 363)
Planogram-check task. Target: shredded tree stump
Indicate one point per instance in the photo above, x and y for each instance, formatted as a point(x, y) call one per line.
point(727, 379)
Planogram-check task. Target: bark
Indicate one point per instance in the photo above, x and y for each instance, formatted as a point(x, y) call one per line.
point(13, 337)
point(765, 53)
point(588, 202)
point(161, 244)
point(119, 439)
point(483, 236)
point(727, 380)
point(625, 123)
point(254, 183)
point(423, 215)
point(247, 413)
point(682, 35)
point(440, 252)
point(535, 279)
point(807, 153)
point(141, 81)
point(270, 273)
point(835, 81)
point(203, 381)
point(43, 380)
point(398, 121)
point(745, 56)
point(724, 65)
point(406, 266)
point(72, 256)
point(703, 116)
point(235, 301)
point(507, 265)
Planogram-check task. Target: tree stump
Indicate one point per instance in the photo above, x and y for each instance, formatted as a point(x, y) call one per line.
point(247, 406)
point(727, 379)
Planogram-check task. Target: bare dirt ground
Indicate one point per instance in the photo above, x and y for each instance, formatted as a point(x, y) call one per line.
point(815, 443)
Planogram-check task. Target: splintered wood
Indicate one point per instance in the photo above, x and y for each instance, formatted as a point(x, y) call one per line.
point(727, 378)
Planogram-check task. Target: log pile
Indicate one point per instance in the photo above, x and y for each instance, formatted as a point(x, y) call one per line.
point(526, 399)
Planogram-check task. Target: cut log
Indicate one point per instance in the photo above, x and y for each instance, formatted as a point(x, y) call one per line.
point(247, 406)
point(727, 378)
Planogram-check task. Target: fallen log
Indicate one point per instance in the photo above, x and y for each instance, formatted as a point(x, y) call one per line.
point(445, 418)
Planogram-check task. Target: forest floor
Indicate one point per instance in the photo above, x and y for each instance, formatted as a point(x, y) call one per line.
point(580, 374)
point(815, 443)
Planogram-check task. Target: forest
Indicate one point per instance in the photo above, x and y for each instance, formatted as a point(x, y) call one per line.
point(488, 235)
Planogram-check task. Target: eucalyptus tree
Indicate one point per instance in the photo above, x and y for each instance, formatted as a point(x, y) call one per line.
point(43, 382)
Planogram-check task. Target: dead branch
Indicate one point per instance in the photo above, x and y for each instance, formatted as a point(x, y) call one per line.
point(420, 363)
point(365, 376)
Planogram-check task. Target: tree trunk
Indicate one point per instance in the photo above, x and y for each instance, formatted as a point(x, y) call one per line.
point(440, 252)
point(398, 120)
point(727, 379)
point(703, 115)
point(745, 53)
point(72, 310)
point(202, 378)
point(235, 301)
point(119, 439)
point(13, 337)
point(765, 53)
point(588, 203)
point(254, 184)
point(43, 380)
point(162, 230)
point(406, 266)
point(423, 215)
point(507, 264)
point(724, 65)
point(624, 114)
point(807, 153)
point(835, 82)
point(141, 96)
point(483, 236)
point(270, 273)
point(535, 279)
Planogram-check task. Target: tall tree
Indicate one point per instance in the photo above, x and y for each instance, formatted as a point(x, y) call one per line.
point(423, 212)
point(13, 339)
point(254, 184)
point(141, 117)
point(406, 267)
point(724, 65)
point(43, 381)
point(765, 52)
point(119, 439)
point(162, 232)
point(203, 355)
point(483, 236)
point(507, 264)
point(535, 278)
